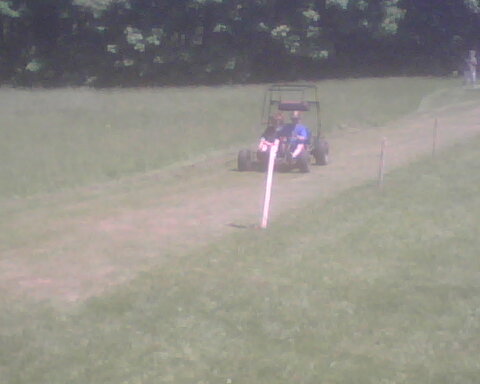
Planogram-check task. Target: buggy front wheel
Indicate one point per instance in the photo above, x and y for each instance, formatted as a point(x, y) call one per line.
point(303, 162)
point(320, 151)
point(244, 160)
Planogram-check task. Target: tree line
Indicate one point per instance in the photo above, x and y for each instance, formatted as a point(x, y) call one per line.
point(178, 42)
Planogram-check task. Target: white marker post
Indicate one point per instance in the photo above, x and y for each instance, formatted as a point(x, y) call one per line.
point(268, 187)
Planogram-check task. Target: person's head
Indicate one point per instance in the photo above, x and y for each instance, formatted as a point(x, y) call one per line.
point(295, 116)
point(276, 120)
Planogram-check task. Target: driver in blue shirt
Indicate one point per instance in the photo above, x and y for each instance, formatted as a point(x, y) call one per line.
point(300, 134)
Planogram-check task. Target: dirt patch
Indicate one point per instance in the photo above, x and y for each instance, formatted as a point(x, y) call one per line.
point(71, 246)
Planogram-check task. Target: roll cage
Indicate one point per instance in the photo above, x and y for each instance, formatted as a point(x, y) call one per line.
point(292, 97)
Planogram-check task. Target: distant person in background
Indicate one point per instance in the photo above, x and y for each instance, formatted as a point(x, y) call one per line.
point(470, 70)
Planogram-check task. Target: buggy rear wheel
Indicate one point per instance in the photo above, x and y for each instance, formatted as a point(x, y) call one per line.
point(262, 159)
point(320, 151)
point(303, 162)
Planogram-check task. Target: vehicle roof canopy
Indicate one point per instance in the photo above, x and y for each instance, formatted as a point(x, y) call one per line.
point(293, 106)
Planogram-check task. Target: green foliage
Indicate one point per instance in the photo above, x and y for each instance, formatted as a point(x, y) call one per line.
point(6, 9)
point(392, 16)
point(99, 6)
point(133, 42)
point(338, 3)
point(34, 66)
point(474, 5)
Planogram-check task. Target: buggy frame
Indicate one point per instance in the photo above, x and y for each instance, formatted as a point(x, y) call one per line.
point(289, 98)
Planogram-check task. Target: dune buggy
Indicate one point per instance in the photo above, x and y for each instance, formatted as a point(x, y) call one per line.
point(293, 99)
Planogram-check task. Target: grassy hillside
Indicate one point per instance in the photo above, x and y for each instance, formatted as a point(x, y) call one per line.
point(367, 288)
point(53, 139)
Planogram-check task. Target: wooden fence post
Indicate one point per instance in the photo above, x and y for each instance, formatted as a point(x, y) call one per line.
point(435, 137)
point(381, 167)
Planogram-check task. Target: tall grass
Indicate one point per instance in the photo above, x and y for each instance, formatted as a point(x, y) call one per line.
point(366, 288)
point(53, 139)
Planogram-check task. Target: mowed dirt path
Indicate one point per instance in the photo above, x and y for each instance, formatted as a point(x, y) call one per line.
point(73, 245)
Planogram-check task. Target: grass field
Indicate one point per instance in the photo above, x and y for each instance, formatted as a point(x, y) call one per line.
point(55, 139)
point(362, 287)
point(366, 288)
